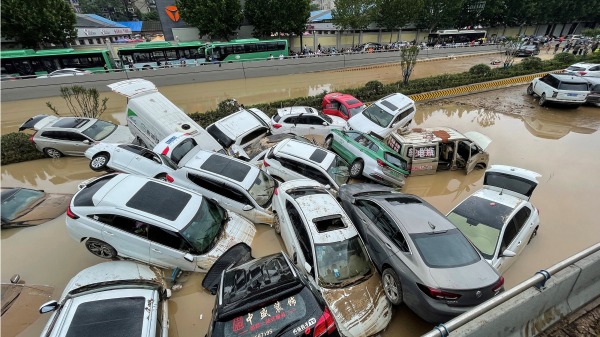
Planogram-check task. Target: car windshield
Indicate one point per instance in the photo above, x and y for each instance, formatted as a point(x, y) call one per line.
point(220, 136)
point(377, 115)
point(205, 226)
point(447, 249)
point(396, 161)
point(16, 202)
point(342, 263)
point(573, 86)
point(99, 130)
point(168, 162)
point(325, 117)
point(182, 149)
point(356, 110)
point(262, 189)
point(338, 171)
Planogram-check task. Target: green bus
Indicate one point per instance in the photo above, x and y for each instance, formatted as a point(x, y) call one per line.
point(244, 50)
point(160, 54)
point(31, 63)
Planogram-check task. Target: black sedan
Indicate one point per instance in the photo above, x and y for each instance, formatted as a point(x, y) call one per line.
point(528, 50)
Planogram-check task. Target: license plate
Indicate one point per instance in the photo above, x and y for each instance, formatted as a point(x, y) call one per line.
point(393, 173)
point(572, 95)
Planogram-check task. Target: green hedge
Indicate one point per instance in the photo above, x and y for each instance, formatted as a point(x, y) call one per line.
point(16, 148)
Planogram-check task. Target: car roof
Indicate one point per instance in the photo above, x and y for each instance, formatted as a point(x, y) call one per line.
point(232, 169)
point(394, 103)
point(72, 122)
point(306, 151)
point(239, 123)
point(569, 78)
point(505, 199)
point(429, 135)
point(584, 64)
point(296, 110)
point(345, 98)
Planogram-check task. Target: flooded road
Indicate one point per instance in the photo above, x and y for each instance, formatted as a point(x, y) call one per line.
point(561, 144)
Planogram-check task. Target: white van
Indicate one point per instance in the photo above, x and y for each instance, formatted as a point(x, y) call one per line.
point(151, 117)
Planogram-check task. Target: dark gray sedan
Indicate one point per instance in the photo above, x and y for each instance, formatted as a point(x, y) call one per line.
point(425, 261)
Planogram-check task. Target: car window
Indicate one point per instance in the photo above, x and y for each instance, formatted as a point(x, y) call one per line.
point(132, 148)
point(353, 135)
point(313, 120)
point(75, 137)
point(167, 238)
point(377, 115)
point(373, 147)
point(16, 202)
point(521, 217)
point(54, 135)
point(396, 161)
point(209, 184)
point(403, 115)
point(131, 226)
point(220, 136)
point(168, 162)
point(291, 120)
point(253, 136)
point(182, 149)
point(338, 170)
point(206, 226)
point(573, 86)
point(509, 235)
point(324, 116)
point(342, 263)
point(291, 165)
point(343, 110)
point(262, 189)
point(315, 174)
point(448, 249)
point(301, 233)
point(364, 141)
point(99, 130)
point(383, 222)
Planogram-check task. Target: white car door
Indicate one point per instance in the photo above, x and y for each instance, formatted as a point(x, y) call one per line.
point(128, 236)
point(514, 238)
point(121, 156)
point(168, 249)
point(147, 163)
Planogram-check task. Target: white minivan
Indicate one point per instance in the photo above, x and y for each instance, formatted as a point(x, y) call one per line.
point(151, 117)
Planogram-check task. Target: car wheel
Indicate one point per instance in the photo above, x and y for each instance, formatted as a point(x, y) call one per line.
point(99, 162)
point(100, 249)
point(52, 153)
point(532, 235)
point(542, 100)
point(276, 223)
point(392, 286)
point(328, 142)
point(530, 89)
point(356, 168)
point(161, 176)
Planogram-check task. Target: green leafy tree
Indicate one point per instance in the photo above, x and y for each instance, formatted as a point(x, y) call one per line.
point(439, 14)
point(314, 7)
point(352, 14)
point(34, 22)
point(277, 16)
point(150, 16)
point(215, 18)
point(408, 60)
point(395, 14)
point(115, 10)
point(82, 102)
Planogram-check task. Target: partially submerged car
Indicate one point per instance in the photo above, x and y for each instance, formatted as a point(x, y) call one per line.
point(425, 261)
point(22, 207)
point(499, 219)
point(559, 88)
point(323, 242)
point(594, 95)
point(385, 116)
point(428, 150)
point(72, 136)
point(341, 105)
point(369, 157)
point(265, 296)
point(305, 121)
point(112, 298)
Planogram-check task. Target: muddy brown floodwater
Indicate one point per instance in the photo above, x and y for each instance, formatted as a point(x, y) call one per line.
point(561, 144)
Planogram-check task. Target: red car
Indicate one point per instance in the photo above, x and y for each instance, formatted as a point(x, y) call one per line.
point(342, 105)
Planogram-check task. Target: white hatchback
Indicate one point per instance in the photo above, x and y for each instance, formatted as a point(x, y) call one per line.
point(305, 121)
point(153, 222)
point(584, 69)
point(384, 116)
point(499, 219)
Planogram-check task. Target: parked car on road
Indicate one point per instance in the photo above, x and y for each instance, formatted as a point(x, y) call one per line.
point(528, 50)
point(385, 116)
point(369, 157)
point(584, 69)
point(22, 207)
point(129, 158)
point(118, 298)
point(341, 105)
point(428, 150)
point(263, 297)
point(72, 136)
point(305, 121)
point(559, 88)
point(324, 244)
point(236, 185)
point(499, 219)
point(594, 95)
point(67, 72)
point(153, 222)
point(425, 261)
point(240, 131)
point(292, 159)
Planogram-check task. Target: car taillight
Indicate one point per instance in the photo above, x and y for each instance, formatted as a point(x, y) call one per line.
point(325, 324)
point(165, 151)
point(70, 213)
point(381, 163)
point(554, 93)
point(277, 125)
point(31, 138)
point(275, 191)
point(265, 164)
point(498, 285)
point(581, 73)
point(438, 294)
point(169, 178)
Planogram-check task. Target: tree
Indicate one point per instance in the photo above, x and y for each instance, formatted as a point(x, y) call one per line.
point(215, 18)
point(395, 14)
point(277, 16)
point(352, 14)
point(314, 7)
point(34, 22)
point(408, 60)
point(115, 10)
point(82, 102)
point(150, 16)
point(435, 14)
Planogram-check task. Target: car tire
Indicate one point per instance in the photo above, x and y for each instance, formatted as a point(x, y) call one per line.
point(356, 168)
point(530, 89)
point(392, 286)
point(532, 235)
point(328, 142)
point(99, 162)
point(542, 100)
point(101, 249)
point(276, 223)
point(161, 176)
point(52, 153)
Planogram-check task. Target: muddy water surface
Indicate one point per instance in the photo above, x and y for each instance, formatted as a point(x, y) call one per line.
point(560, 144)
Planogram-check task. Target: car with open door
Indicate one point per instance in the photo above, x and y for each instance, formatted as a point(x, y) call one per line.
point(341, 105)
point(499, 219)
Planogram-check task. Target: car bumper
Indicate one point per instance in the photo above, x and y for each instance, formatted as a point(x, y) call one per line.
point(383, 178)
point(564, 101)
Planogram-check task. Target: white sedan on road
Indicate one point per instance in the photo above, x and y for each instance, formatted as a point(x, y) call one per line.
point(499, 219)
point(67, 72)
point(129, 158)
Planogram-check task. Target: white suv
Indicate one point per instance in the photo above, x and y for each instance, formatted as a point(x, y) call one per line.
point(385, 116)
point(153, 222)
point(584, 69)
point(292, 159)
point(558, 88)
point(233, 183)
point(305, 121)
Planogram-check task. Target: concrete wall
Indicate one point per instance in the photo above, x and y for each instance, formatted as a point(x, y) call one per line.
point(533, 311)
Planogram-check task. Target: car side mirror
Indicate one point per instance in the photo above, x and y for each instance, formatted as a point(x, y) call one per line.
point(188, 257)
point(48, 307)
point(86, 141)
point(325, 123)
point(295, 258)
point(393, 125)
point(307, 267)
point(508, 253)
point(247, 208)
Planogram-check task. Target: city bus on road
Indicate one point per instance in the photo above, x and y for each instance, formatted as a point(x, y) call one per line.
point(453, 36)
point(244, 50)
point(26, 63)
point(161, 54)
